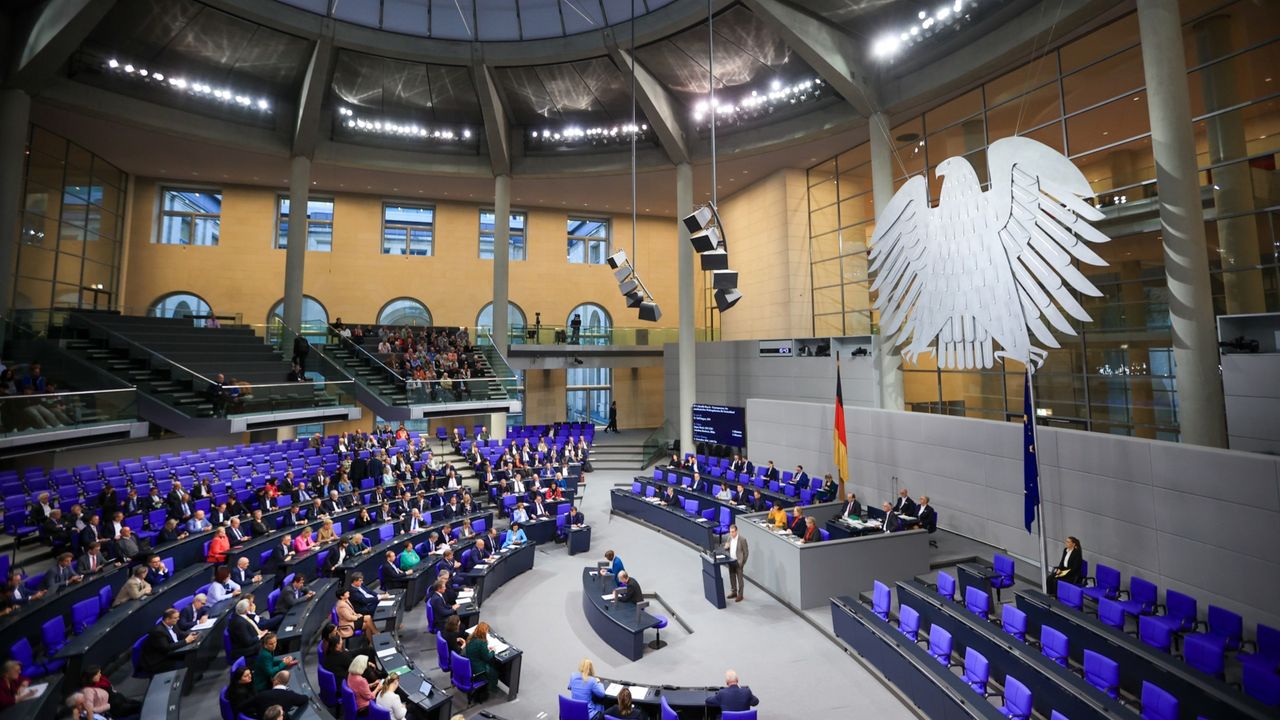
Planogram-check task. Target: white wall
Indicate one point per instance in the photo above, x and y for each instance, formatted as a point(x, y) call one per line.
point(1253, 401)
point(1198, 520)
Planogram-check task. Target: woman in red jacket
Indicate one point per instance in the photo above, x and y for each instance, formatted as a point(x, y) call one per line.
point(219, 546)
point(13, 685)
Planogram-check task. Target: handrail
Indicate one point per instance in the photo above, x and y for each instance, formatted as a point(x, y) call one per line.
point(62, 393)
point(134, 344)
point(489, 333)
point(348, 342)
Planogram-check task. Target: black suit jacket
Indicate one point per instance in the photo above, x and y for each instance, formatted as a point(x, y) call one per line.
point(629, 593)
point(336, 557)
point(284, 697)
point(187, 619)
point(735, 698)
point(244, 641)
point(241, 577)
point(853, 508)
point(905, 506)
point(364, 600)
point(279, 555)
point(1071, 565)
point(157, 650)
point(929, 519)
point(440, 609)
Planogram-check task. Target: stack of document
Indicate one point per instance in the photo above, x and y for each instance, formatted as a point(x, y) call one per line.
point(204, 625)
point(497, 645)
point(387, 652)
point(638, 692)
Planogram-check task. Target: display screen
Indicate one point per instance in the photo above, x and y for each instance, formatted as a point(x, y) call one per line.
point(720, 424)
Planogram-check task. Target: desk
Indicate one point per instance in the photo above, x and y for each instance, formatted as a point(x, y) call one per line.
point(975, 575)
point(51, 702)
point(500, 568)
point(689, 702)
point(541, 531)
point(713, 579)
point(1052, 686)
point(695, 531)
point(807, 576)
point(313, 710)
point(296, 622)
point(424, 698)
point(508, 659)
point(840, 528)
point(934, 689)
point(621, 625)
point(777, 498)
point(579, 540)
point(1199, 695)
point(164, 695)
point(200, 654)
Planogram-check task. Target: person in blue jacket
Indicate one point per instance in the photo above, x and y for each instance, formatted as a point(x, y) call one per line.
point(585, 687)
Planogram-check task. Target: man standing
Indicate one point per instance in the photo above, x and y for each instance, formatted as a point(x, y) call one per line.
point(301, 349)
point(576, 326)
point(737, 549)
point(613, 418)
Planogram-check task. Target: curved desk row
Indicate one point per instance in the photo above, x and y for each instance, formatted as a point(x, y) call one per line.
point(303, 621)
point(501, 567)
point(933, 688)
point(773, 496)
point(1052, 686)
point(690, 703)
point(621, 625)
point(1199, 695)
point(693, 529)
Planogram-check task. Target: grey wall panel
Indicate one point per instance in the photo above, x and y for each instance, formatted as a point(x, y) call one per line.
point(1200, 520)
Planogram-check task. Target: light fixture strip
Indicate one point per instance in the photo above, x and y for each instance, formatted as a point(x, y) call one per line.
point(928, 23)
point(193, 88)
point(777, 95)
point(393, 128)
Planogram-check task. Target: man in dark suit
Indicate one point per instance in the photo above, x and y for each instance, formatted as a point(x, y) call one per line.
point(235, 534)
point(242, 575)
point(733, 697)
point(218, 516)
point(801, 478)
point(281, 553)
point(452, 511)
point(163, 641)
point(92, 561)
point(61, 575)
point(297, 592)
point(246, 636)
point(55, 531)
point(392, 575)
point(928, 517)
point(334, 504)
point(628, 590)
point(364, 600)
point(278, 694)
point(193, 614)
point(891, 522)
point(905, 506)
point(852, 508)
point(441, 609)
point(180, 510)
point(157, 573)
point(576, 518)
point(92, 531)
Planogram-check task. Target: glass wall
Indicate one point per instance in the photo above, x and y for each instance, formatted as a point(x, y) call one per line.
point(1088, 100)
point(588, 392)
point(72, 225)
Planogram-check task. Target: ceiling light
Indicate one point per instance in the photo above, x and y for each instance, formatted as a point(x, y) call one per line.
point(113, 63)
point(891, 43)
point(597, 135)
point(178, 84)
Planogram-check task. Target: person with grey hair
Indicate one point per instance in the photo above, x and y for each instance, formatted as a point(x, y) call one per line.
point(136, 587)
point(278, 696)
point(193, 614)
point(82, 707)
point(244, 633)
point(733, 697)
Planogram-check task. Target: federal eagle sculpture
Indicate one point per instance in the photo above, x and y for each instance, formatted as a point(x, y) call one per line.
point(986, 269)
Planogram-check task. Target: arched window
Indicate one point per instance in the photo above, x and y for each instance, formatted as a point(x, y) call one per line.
point(596, 328)
point(179, 305)
point(315, 319)
point(404, 311)
point(515, 322)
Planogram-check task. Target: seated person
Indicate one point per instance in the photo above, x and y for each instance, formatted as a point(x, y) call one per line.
point(628, 590)
point(453, 635)
point(891, 521)
point(157, 573)
point(797, 521)
point(926, 516)
point(852, 508)
point(295, 593)
point(135, 588)
point(725, 494)
point(585, 687)
point(811, 534)
point(265, 664)
point(278, 694)
point(669, 498)
point(623, 709)
point(363, 599)
point(829, 488)
point(162, 643)
point(222, 586)
point(777, 517)
point(241, 689)
point(409, 557)
point(515, 536)
point(733, 697)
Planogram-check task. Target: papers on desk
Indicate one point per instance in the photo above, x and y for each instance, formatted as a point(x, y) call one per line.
point(607, 596)
point(386, 603)
point(480, 566)
point(386, 652)
point(402, 670)
point(34, 690)
point(204, 625)
point(638, 692)
point(497, 645)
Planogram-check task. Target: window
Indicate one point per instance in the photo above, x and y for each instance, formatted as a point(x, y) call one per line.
point(588, 240)
point(516, 239)
point(596, 325)
point(315, 320)
point(404, 311)
point(190, 217)
point(515, 323)
point(179, 305)
point(588, 392)
point(319, 224)
point(408, 229)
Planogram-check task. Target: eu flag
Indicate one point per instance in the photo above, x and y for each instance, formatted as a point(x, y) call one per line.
point(1030, 467)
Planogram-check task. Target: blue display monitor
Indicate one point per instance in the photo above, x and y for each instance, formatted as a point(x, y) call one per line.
point(720, 424)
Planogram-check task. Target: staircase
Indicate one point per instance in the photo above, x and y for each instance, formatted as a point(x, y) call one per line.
point(624, 452)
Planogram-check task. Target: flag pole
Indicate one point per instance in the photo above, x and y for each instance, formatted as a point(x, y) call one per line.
point(1044, 552)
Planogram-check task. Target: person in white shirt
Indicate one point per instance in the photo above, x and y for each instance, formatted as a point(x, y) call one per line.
point(724, 494)
point(519, 514)
point(222, 586)
point(737, 549)
point(198, 523)
point(388, 700)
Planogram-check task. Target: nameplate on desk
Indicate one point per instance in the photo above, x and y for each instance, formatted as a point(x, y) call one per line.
point(607, 596)
point(386, 652)
point(386, 603)
point(289, 629)
point(204, 625)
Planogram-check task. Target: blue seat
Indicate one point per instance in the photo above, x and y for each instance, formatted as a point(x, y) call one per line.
point(84, 614)
point(738, 715)
point(977, 601)
point(657, 643)
point(1107, 584)
point(348, 701)
point(1004, 572)
point(136, 656)
point(1155, 633)
point(461, 676)
point(273, 597)
point(104, 599)
point(637, 487)
point(1017, 699)
point(1267, 647)
point(1102, 672)
point(224, 706)
point(54, 634)
point(977, 671)
point(1111, 612)
point(571, 709)
point(328, 687)
point(881, 600)
point(1181, 612)
point(1055, 715)
point(1158, 704)
point(1225, 624)
point(1071, 595)
point(940, 644)
point(1262, 684)
point(442, 653)
point(909, 622)
point(1014, 621)
point(22, 652)
point(947, 586)
point(1054, 645)
point(1205, 653)
point(236, 667)
point(1142, 597)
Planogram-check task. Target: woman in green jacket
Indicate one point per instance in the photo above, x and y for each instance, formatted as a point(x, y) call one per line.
point(481, 657)
point(266, 664)
point(409, 557)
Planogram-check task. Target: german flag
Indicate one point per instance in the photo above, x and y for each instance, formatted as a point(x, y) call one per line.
point(840, 445)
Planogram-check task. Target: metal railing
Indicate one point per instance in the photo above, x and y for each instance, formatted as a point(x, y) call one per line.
point(45, 412)
point(638, 336)
point(656, 443)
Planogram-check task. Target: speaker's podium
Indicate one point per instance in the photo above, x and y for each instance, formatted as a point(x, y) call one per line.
point(712, 578)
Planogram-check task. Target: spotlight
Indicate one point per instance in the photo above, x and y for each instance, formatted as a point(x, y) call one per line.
point(699, 219)
point(629, 286)
point(617, 260)
point(649, 311)
point(726, 299)
point(622, 273)
point(724, 279)
point(714, 260)
point(705, 240)
point(634, 299)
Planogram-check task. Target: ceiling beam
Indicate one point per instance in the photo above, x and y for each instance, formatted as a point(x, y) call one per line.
point(54, 31)
point(657, 105)
point(826, 47)
point(306, 126)
point(497, 130)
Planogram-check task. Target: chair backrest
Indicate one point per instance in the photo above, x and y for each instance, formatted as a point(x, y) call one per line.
point(104, 599)
point(1054, 645)
point(1157, 703)
point(571, 709)
point(224, 706)
point(1204, 653)
point(1014, 621)
point(237, 666)
point(1226, 624)
point(1268, 640)
point(1144, 592)
point(881, 600)
point(946, 586)
point(1102, 672)
point(1003, 565)
point(461, 675)
point(442, 653)
point(1181, 607)
point(1109, 579)
point(738, 715)
point(1262, 684)
point(328, 687)
point(977, 601)
point(908, 621)
point(667, 712)
point(976, 669)
point(1071, 595)
point(1111, 613)
point(272, 598)
point(348, 701)
point(135, 655)
point(1017, 698)
point(54, 633)
point(1155, 633)
point(376, 712)
point(940, 644)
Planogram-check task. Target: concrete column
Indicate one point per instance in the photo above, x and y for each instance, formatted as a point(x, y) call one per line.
point(891, 395)
point(15, 117)
point(1232, 184)
point(498, 426)
point(501, 260)
point(688, 391)
point(295, 255)
point(1202, 413)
